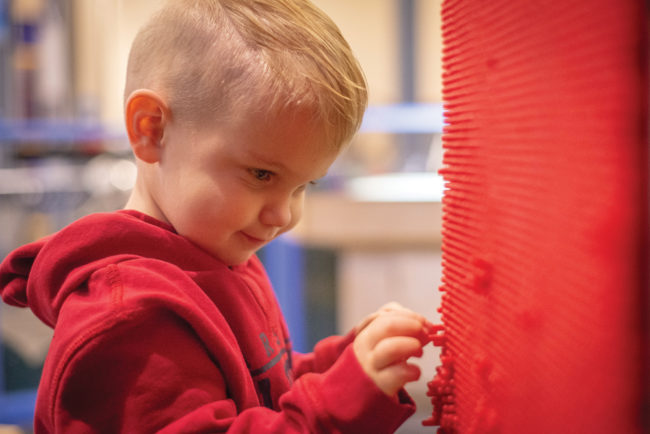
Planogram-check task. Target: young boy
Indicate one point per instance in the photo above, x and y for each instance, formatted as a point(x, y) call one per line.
point(164, 318)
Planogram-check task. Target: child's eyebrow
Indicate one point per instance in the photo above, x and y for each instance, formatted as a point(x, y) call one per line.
point(264, 161)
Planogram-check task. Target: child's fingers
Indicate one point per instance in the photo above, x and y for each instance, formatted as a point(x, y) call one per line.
point(402, 373)
point(386, 344)
point(394, 377)
point(394, 350)
point(428, 325)
point(396, 308)
point(390, 325)
point(387, 308)
point(391, 306)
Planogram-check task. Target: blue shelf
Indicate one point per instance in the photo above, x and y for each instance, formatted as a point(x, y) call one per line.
point(395, 118)
point(17, 408)
point(53, 131)
point(284, 261)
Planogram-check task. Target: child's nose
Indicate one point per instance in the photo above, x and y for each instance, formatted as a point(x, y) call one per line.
point(277, 213)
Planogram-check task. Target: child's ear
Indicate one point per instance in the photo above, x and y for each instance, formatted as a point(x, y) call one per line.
point(146, 116)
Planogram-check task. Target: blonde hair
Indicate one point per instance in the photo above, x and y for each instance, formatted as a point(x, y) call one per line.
point(223, 58)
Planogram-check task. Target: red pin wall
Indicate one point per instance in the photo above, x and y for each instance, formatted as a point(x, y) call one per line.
point(544, 163)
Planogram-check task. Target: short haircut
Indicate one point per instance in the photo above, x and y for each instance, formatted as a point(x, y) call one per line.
point(215, 60)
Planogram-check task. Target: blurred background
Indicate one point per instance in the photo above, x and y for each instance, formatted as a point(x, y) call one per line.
point(371, 229)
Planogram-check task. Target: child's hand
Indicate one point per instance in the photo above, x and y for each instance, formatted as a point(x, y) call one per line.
point(386, 340)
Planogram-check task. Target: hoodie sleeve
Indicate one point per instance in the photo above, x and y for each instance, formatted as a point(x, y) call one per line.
point(325, 354)
point(137, 378)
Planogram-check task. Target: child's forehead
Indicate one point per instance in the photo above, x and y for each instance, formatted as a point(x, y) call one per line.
point(271, 138)
point(275, 123)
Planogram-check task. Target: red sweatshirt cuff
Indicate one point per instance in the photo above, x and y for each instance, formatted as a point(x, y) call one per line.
point(353, 403)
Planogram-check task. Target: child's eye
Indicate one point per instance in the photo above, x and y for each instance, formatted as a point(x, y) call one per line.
point(261, 174)
point(303, 187)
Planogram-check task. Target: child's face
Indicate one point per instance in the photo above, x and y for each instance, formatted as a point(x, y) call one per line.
point(233, 189)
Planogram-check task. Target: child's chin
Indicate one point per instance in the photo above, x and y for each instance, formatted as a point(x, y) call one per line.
point(230, 259)
point(234, 261)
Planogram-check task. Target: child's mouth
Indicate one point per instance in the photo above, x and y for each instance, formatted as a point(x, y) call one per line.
point(254, 240)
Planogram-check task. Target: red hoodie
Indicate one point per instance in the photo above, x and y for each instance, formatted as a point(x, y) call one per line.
point(154, 334)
